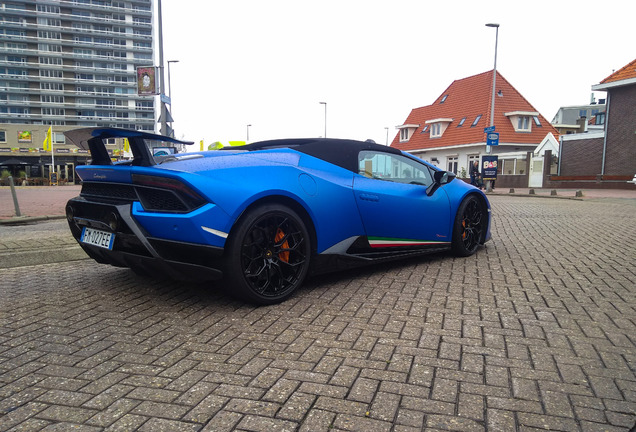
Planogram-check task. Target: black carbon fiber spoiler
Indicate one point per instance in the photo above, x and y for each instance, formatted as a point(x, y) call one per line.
point(93, 139)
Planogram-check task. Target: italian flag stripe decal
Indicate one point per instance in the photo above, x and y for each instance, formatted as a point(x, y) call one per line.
point(377, 242)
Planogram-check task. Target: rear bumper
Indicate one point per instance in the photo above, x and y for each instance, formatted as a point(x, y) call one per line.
point(135, 248)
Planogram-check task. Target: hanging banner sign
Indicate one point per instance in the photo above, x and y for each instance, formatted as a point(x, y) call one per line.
point(146, 81)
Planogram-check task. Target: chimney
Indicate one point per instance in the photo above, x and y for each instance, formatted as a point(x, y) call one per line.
point(582, 123)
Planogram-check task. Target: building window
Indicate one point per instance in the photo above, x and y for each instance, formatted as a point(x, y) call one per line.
point(53, 111)
point(404, 134)
point(476, 121)
point(51, 73)
point(537, 122)
point(3, 136)
point(523, 123)
point(511, 167)
point(51, 99)
point(600, 119)
point(452, 164)
point(461, 122)
point(50, 61)
point(58, 138)
point(424, 129)
point(443, 99)
point(436, 130)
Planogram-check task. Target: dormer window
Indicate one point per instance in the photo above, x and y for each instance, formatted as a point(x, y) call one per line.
point(438, 126)
point(436, 130)
point(406, 131)
point(521, 120)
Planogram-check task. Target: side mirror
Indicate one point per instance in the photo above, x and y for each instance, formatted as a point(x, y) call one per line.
point(443, 177)
point(440, 178)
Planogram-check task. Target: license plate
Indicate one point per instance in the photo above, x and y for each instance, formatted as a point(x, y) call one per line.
point(102, 239)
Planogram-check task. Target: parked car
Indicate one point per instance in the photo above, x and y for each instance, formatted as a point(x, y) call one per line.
point(266, 215)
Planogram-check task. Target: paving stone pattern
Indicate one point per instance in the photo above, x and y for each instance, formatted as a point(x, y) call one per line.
point(535, 332)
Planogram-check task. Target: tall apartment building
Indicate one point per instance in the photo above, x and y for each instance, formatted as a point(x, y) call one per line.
point(69, 64)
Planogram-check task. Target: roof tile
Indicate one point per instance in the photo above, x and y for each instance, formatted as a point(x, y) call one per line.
point(471, 97)
point(626, 72)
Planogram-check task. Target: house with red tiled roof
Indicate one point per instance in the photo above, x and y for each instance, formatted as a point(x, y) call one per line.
point(450, 131)
point(605, 158)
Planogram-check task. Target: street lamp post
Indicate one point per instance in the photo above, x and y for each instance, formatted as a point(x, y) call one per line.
point(161, 70)
point(248, 133)
point(325, 104)
point(387, 135)
point(170, 96)
point(492, 101)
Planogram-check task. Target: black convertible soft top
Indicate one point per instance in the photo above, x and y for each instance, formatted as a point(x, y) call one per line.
point(340, 152)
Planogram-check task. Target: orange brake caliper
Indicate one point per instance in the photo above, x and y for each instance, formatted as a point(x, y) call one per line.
point(284, 256)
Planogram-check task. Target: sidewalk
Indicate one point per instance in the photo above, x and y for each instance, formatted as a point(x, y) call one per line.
point(35, 202)
point(567, 193)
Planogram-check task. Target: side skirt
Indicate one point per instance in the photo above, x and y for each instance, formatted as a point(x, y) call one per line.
point(361, 253)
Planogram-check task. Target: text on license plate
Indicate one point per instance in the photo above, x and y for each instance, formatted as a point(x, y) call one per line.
point(98, 238)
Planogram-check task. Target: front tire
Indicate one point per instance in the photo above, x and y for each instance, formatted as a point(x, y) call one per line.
point(267, 254)
point(469, 227)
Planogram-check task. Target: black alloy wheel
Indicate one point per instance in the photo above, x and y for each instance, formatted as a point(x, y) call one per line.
point(268, 255)
point(469, 228)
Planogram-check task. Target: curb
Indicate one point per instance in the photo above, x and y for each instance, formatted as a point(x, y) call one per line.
point(37, 257)
point(17, 220)
point(535, 196)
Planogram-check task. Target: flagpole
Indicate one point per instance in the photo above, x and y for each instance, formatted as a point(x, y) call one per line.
point(52, 151)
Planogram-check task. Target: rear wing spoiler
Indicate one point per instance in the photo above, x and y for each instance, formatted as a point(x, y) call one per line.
point(94, 140)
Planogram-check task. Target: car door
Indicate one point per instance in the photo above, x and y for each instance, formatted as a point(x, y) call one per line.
point(390, 192)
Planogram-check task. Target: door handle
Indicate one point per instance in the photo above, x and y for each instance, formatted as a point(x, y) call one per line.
point(369, 197)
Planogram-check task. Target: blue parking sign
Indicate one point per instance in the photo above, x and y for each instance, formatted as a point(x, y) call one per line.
point(493, 139)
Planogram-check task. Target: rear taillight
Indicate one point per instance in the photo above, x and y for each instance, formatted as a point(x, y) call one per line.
point(159, 194)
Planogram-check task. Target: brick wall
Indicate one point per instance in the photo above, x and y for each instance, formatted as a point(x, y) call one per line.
point(621, 132)
point(582, 157)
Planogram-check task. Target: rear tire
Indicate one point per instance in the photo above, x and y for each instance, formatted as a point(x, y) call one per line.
point(469, 227)
point(267, 256)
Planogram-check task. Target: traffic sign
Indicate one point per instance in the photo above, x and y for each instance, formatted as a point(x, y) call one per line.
point(489, 129)
point(493, 139)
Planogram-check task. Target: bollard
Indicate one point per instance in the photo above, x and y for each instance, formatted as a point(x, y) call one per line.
point(15, 197)
point(553, 192)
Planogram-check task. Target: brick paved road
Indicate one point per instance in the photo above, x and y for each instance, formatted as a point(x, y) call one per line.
point(535, 332)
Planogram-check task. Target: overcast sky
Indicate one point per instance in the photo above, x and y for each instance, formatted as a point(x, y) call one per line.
point(270, 63)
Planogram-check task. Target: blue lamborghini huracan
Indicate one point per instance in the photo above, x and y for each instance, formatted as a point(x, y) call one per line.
point(266, 215)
